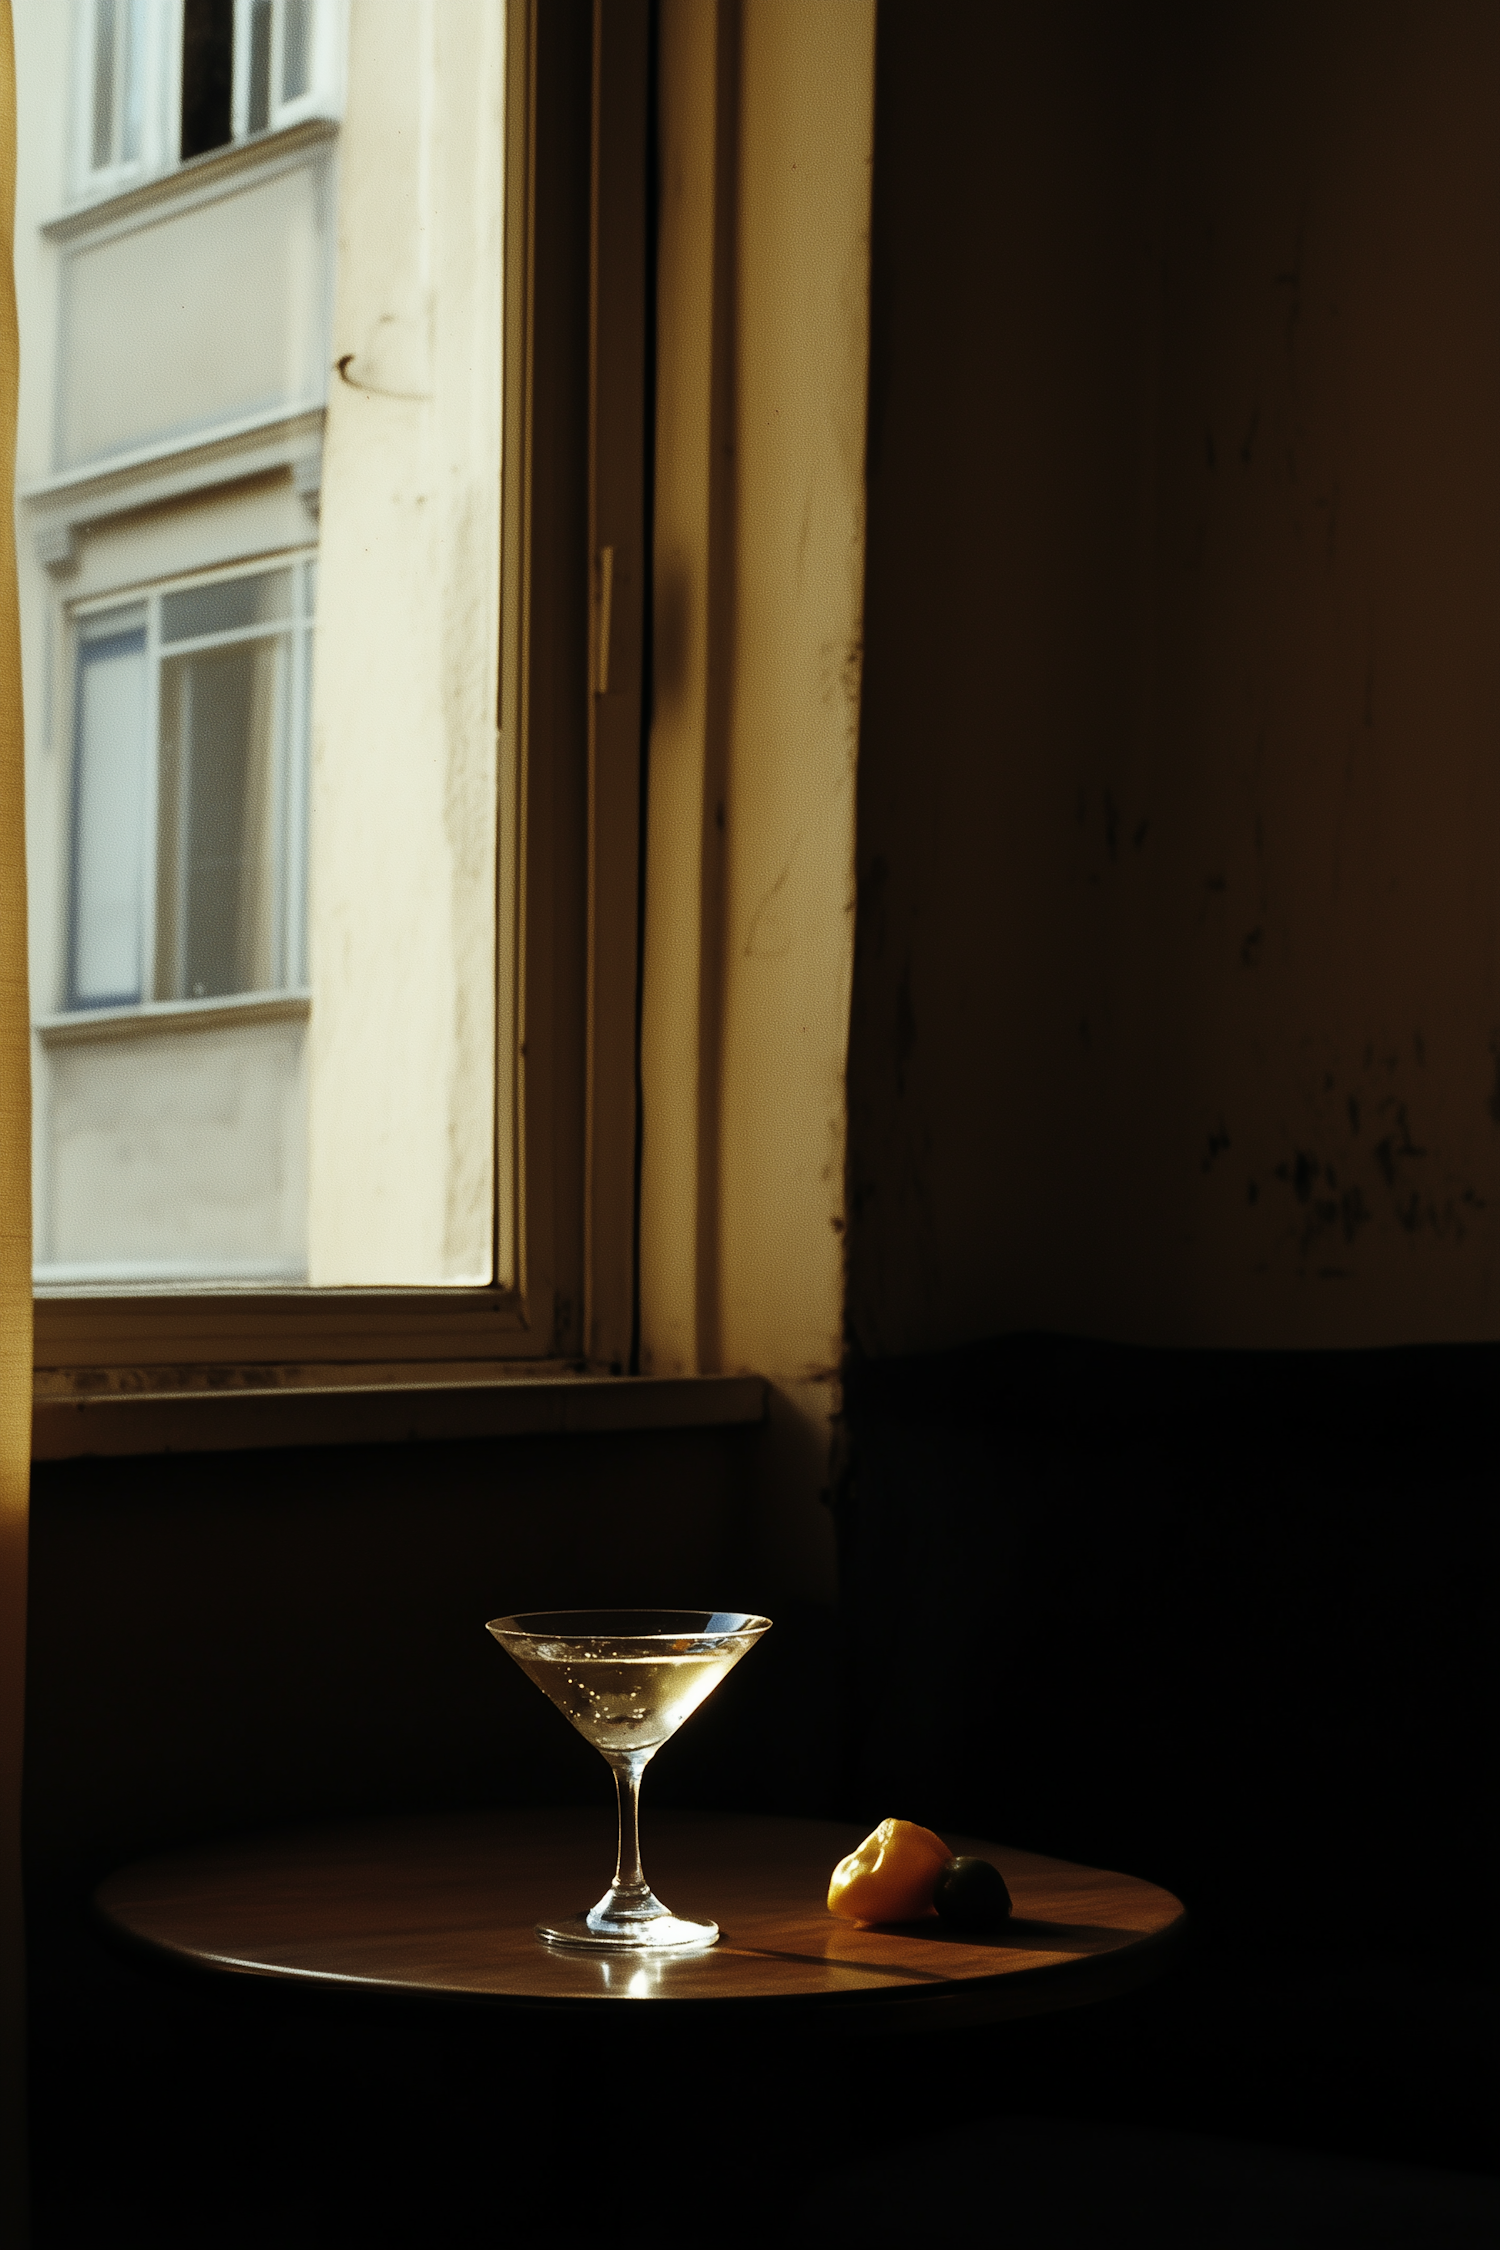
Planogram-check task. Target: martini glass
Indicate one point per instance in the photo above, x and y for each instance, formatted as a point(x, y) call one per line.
point(627, 1679)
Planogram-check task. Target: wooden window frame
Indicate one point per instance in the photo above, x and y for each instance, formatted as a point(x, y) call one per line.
point(571, 724)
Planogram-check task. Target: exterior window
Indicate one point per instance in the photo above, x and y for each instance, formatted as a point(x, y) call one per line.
point(207, 75)
point(119, 88)
point(164, 80)
point(262, 53)
point(110, 854)
point(190, 793)
point(296, 49)
point(277, 1029)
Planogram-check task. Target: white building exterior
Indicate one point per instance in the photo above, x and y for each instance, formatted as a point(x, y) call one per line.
point(177, 230)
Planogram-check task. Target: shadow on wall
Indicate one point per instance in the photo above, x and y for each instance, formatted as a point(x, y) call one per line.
point(1176, 1011)
point(1221, 1619)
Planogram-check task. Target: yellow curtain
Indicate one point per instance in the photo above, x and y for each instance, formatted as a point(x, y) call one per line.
point(15, 1224)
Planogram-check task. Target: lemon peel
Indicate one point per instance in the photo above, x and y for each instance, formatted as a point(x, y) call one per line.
point(890, 1877)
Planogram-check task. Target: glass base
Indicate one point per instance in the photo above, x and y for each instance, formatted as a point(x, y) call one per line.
point(655, 1933)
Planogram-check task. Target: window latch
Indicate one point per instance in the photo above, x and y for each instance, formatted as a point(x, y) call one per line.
point(606, 605)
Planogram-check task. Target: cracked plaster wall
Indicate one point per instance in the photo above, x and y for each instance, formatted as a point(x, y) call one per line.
point(1176, 1017)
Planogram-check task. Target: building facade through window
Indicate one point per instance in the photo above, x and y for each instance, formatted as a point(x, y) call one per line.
point(177, 184)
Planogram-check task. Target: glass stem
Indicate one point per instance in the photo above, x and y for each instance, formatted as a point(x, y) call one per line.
point(630, 1881)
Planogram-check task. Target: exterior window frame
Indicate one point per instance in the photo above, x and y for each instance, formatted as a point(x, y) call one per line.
point(290, 783)
point(160, 79)
point(281, 112)
point(575, 410)
point(160, 66)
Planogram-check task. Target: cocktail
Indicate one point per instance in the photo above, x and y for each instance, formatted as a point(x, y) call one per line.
point(627, 1679)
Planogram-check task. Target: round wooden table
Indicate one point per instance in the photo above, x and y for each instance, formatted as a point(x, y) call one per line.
point(446, 1907)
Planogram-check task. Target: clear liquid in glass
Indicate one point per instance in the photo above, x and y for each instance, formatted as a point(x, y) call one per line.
point(628, 1702)
point(627, 1680)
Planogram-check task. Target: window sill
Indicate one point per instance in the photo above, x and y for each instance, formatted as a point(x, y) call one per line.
point(379, 1406)
point(124, 199)
point(285, 439)
point(143, 1017)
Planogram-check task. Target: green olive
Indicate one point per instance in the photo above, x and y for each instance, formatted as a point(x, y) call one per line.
point(971, 1895)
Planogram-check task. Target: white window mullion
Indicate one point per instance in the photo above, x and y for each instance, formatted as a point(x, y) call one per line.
point(326, 78)
point(281, 751)
point(83, 92)
point(111, 756)
point(167, 79)
point(274, 95)
point(103, 20)
point(260, 42)
point(239, 112)
point(121, 41)
point(129, 125)
point(293, 832)
point(133, 40)
point(151, 801)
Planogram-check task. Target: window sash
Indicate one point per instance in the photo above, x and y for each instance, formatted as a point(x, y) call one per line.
point(111, 846)
point(129, 79)
point(570, 924)
point(118, 58)
point(270, 38)
point(160, 884)
point(120, 61)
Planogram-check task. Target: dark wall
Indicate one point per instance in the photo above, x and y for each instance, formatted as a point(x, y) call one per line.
point(1175, 1010)
point(1220, 1618)
point(224, 1641)
point(1223, 1619)
point(231, 1642)
point(1176, 1005)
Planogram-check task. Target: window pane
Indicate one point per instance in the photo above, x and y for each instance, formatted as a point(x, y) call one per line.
point(174, 816)
point(260, 65)
point(133, 108)
point(109, 871)
point(104, 83)
point(294, 880)
point(207, 75)
point(229, 607)
point(222, 727)
point(296, 49)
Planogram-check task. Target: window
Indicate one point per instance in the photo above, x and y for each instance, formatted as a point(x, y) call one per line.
point(320, 996)
point(117, 110)
point(165, 80)
point(207, 75)
point(247, 66)
point(190, 792)
point(534, 859)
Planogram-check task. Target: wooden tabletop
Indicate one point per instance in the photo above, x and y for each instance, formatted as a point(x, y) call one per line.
point(446, 1906)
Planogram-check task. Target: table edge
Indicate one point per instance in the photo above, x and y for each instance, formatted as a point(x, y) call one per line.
point(1010, 1993)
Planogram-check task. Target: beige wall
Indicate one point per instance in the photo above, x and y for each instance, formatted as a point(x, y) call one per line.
point(1176, 1010)
point(153, 341)
point(178, 1153)
point(406, 765)
point(762, 359)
